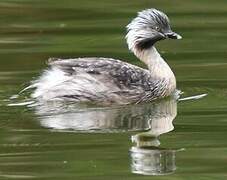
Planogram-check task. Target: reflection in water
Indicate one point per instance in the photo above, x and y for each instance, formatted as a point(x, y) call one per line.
point(147, 157)
point(151, 161)
point(107, 119)
point(156, 118)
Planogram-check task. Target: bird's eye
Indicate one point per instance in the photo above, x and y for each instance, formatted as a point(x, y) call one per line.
point(157, 28)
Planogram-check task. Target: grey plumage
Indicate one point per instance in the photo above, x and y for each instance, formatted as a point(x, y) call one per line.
point(106, 80)
point(147, 28)
point(124, 83)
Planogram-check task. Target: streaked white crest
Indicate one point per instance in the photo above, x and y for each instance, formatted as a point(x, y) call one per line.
point(148, 27)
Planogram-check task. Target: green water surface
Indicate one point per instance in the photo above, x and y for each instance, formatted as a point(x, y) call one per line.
point(31, 31)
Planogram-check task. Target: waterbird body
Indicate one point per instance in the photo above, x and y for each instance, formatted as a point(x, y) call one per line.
point(106, 80)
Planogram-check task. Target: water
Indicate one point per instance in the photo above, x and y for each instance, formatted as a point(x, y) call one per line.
point(184, 140)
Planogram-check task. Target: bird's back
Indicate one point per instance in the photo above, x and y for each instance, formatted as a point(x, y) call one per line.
point(102, 80)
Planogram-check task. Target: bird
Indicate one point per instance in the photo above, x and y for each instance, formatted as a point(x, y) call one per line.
point(99, 80)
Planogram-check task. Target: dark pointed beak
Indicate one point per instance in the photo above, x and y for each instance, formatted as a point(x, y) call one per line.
point(173, 35)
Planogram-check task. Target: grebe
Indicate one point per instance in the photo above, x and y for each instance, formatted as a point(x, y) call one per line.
point(106, 80)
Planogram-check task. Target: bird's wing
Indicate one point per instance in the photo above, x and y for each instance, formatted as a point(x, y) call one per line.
point(124, 73)
point(118, 77)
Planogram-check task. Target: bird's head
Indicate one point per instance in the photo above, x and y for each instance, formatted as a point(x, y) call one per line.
point(148, 27)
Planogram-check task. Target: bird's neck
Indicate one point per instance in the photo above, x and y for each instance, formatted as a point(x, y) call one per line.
point(157, 66)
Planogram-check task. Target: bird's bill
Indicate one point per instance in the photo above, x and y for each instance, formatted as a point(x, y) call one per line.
point(173, 35)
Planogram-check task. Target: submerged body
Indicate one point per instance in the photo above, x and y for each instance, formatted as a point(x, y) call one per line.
point(106, 80)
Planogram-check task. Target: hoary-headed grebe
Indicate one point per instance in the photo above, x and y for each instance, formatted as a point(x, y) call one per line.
point(106, 80)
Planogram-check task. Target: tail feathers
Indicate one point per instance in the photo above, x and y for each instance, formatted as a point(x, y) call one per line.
point(29, 87)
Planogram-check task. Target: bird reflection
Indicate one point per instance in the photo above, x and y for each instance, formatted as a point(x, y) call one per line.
point(151, 161)
point(77, 117)
point(147, 157)
point(154, 118)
